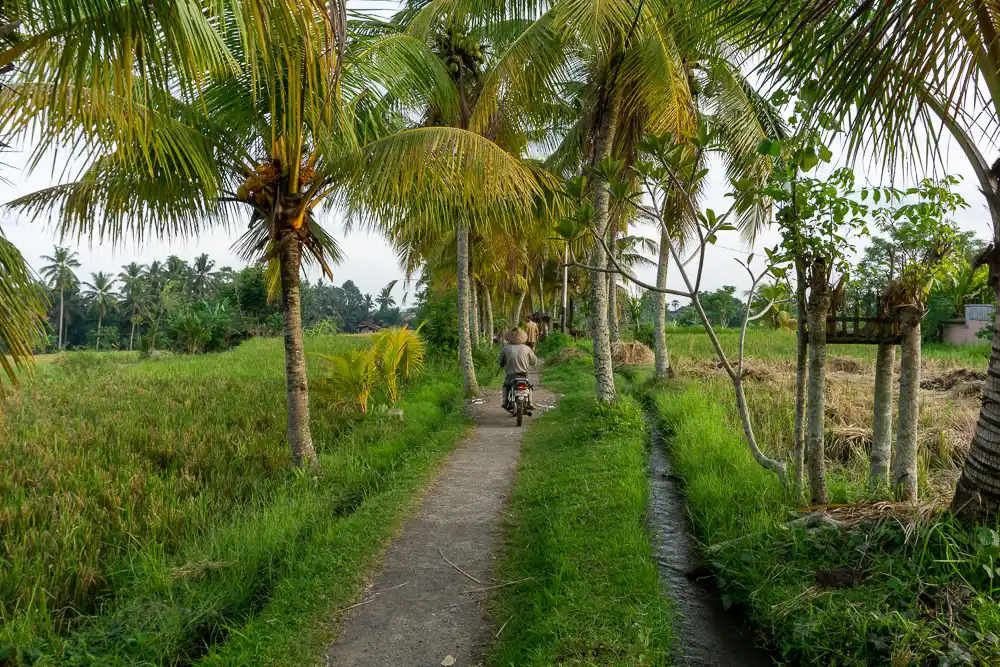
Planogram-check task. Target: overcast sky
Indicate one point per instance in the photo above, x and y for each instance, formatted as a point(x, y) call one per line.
point(369, 261)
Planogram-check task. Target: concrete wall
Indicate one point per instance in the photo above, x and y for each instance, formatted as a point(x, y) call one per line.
point(963, 332)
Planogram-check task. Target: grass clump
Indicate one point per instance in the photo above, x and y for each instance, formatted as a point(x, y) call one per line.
point(197, 542)
point(896, 589)
point(577, 530)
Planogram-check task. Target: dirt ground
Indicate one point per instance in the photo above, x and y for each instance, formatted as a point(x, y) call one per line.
point(426, 607)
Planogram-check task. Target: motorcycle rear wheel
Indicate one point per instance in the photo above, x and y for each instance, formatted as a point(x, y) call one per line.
point(520, 412)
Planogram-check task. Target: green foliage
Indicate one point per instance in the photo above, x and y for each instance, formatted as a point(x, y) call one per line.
point(188, 535)
point(911, 571)
point(399, 355)
point(351, 378)
point(577, 528)
point(439, 314)
point(396, 357)
point(200, 327)
point(555, 341)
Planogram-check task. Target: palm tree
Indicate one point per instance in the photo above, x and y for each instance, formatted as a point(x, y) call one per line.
point(134, 292)
point(177, 271)
point(646, 65)
point(100, 292)
point(271, 145)
point(384, 299)
point(202, 275)
point(459, 49)
point(898, 71)
point(23, 306)
point(59, 272)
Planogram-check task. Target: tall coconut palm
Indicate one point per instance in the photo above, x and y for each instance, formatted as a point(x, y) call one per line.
point(59, 272)
point(100, 292)
point(635, 68)
point(133, 296)
point(202, 275)
point(900, 71)
point(292, 130)
point(459, 48)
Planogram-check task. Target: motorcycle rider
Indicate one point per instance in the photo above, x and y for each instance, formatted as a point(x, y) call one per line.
point(516, 358)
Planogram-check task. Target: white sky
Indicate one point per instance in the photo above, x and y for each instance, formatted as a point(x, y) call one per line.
point(370, 262)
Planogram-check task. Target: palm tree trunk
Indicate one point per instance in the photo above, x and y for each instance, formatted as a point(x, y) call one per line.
point(878, 463)
point(541, 289)
point(614, 331)
point(62, 308)
point(464, 332)
point(977, 494)
point(515, 317)
point(819, 305)
point(601, 333)
point(131, 335)
point(474, 312)
point(801, 373)
point(904, 462)
point(296, 380)
point(662, 354)
point(565, 288)
point(99, 319)
point(488, 299)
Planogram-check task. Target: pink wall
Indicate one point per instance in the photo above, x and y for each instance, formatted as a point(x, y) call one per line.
point(963, 332)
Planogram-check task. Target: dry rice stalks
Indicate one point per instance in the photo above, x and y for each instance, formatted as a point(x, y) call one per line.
point(630, 354)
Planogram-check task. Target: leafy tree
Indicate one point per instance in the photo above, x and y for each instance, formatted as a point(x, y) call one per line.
point(722, 305)
point(59, 272)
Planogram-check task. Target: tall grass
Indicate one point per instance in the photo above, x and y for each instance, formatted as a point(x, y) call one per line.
point(920, 591)
point(578, 534)
point(151, 509)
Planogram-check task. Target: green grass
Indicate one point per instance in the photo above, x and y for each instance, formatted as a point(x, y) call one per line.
point(914, 572)
point(577, 530)
point(157, 520)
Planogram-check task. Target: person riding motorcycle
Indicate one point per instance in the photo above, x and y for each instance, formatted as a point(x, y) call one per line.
point(515, 358)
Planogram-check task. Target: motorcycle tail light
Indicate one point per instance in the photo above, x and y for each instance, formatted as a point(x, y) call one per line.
point(521, 385)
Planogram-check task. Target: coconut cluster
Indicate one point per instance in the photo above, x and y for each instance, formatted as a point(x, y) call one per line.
point(460, 51)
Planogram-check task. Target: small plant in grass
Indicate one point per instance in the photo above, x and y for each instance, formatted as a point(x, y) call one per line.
point(399, 357)
point(351, 378)
point(395, 358)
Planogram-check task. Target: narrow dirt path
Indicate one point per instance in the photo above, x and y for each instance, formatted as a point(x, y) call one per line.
point(421, 611)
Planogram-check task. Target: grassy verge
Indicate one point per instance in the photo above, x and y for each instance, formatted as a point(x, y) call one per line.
point(927, 591)
point(577, 530)
point(204, 547)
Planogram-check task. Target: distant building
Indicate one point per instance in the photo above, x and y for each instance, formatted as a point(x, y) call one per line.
point(368, 328)
point(962, 331)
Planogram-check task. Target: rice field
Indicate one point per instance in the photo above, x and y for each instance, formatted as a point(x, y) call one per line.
point(951, 378)
point(122, 476)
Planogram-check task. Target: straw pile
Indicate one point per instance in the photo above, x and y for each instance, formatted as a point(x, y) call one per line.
point(630, 354)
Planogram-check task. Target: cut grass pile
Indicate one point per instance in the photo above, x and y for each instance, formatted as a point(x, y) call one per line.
point(578, 533)
point(152, 517)
point(887, 588)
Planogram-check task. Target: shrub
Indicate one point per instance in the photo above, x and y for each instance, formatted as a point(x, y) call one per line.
point(439, 313)
point(399, 353)
point(395, 357)
point(352, 378)
point(554, 342)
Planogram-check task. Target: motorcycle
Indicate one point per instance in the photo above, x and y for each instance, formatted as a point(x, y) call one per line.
point(519, 398)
